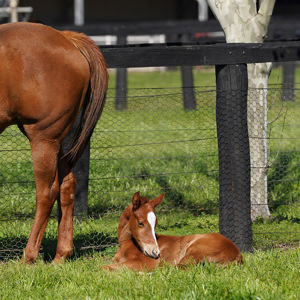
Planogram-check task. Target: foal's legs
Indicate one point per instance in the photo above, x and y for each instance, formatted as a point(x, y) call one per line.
point(44, 157)
point(66, 207)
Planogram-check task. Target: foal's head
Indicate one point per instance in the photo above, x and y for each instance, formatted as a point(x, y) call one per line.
point(142, 224)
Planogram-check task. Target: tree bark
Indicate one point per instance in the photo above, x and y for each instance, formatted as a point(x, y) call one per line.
point(242, 23)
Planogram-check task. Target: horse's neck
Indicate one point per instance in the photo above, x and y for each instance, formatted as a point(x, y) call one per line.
point(124, 235)
point(124, 220)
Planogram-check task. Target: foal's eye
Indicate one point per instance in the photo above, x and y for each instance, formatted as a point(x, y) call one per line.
point(140, 224)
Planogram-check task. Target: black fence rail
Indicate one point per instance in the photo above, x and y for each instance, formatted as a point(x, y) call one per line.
point(148, 55)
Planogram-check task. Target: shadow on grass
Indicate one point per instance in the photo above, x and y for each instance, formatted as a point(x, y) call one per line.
point(12, 247)
point(280, 183)
point(177, 199)
point(84, 245)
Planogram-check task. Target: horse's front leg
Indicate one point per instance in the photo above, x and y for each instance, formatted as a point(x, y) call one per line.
point(65, 207)
point(44, 157)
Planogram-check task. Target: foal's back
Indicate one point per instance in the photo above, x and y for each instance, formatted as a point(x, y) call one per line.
point(209, 247)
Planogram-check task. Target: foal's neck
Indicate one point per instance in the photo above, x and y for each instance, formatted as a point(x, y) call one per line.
point(125, 234)
point(124, 220)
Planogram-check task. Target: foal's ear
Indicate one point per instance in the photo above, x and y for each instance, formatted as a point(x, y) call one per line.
point(136, 201)
point(156, 201)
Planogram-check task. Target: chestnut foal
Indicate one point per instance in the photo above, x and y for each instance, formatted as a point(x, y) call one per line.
point(141, 249)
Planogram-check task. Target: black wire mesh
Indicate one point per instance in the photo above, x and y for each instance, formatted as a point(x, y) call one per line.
point(155, 146)
point(234, 155)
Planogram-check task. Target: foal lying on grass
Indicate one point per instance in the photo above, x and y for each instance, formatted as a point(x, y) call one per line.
point(141, 249)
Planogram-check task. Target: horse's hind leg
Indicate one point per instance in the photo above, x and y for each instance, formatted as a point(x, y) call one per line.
point(44, 157)
point(66, 207)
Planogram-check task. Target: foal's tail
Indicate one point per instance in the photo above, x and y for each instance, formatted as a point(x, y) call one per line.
point(95, 97)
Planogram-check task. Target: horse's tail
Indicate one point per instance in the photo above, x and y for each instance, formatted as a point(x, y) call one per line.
point(95, 97)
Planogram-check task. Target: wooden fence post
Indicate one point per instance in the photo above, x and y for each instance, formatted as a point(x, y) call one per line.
point(288, 81)
point(189, 101)
point(81, 172)
point(234, 155)
point(121, 81)
point(13, 10)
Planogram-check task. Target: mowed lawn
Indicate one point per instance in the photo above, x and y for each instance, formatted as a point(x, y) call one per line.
point(268, 274)
point(182, 166)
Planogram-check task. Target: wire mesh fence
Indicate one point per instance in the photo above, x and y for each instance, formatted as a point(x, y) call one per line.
point(156, 146)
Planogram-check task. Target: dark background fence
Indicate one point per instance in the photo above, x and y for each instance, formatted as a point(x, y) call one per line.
point(185, 32)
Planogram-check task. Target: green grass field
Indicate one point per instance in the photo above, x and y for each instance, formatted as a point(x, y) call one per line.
point(156, 146)
point(265, 275)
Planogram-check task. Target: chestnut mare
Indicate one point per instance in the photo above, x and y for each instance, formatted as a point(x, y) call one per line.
point(141, 249)
point(46, 77)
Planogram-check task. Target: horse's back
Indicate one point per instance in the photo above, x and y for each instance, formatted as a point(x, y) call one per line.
point(212, 247)
point(40, 72)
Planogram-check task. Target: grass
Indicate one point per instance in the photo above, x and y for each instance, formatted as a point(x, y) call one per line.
point(155, 146)
point(269, 274)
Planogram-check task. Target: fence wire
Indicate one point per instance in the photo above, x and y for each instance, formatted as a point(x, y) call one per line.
point(156, 146)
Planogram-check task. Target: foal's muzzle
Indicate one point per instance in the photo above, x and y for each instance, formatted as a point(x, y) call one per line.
point(152, 253)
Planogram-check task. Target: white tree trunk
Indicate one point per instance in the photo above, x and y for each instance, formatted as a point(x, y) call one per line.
point(243, 24)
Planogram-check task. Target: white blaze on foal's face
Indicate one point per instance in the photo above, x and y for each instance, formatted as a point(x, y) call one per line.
point(151, 218)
